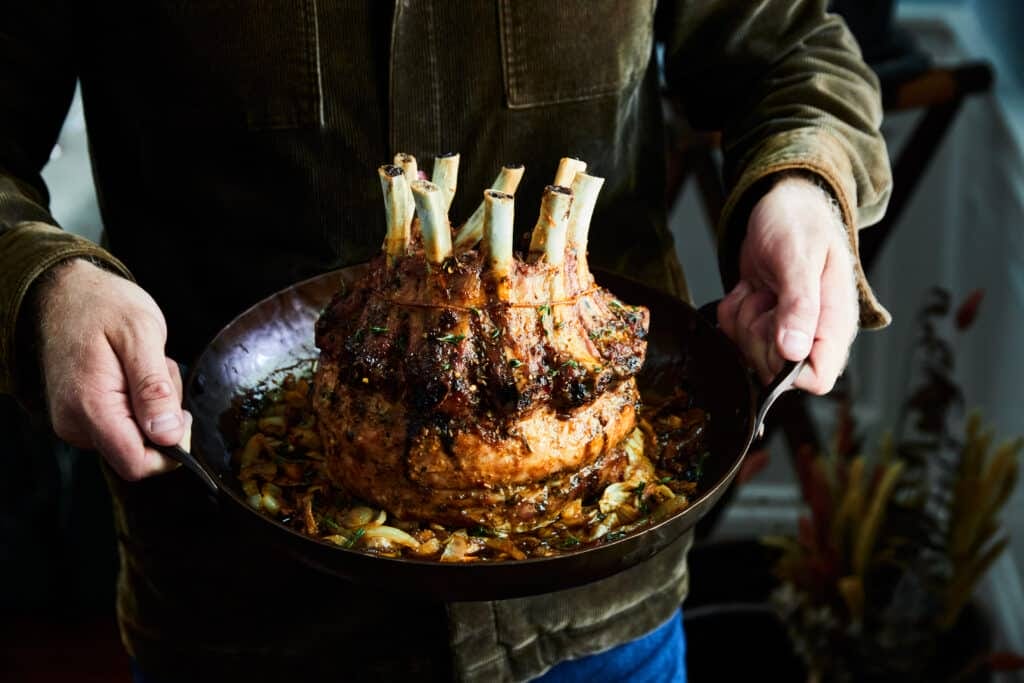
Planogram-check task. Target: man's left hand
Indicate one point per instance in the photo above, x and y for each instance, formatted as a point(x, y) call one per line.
point(797, 296)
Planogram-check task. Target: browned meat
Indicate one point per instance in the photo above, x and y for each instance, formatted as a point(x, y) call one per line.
point(466, 386)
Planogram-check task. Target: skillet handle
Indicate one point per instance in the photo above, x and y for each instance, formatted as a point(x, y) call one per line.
point(179, 454)
point(782, 382)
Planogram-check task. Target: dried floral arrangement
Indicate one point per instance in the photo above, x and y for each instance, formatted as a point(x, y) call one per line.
point(889, 555)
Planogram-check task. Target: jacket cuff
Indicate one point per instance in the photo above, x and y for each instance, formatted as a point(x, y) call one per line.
point(28, 250)
point(812, 150)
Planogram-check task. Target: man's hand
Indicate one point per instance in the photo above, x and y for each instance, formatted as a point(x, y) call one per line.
point(797, 296)
point(108, 384)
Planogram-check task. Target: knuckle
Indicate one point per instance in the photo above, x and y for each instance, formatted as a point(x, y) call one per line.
point(803, 304)
point(153, 387)
point(141, 325)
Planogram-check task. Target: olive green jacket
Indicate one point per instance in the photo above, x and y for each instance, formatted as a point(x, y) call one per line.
point(234, 149)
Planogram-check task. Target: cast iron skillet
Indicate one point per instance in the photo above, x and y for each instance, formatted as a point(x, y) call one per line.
point(277, 333)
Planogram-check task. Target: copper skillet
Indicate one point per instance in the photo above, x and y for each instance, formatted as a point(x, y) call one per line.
point(684, 349)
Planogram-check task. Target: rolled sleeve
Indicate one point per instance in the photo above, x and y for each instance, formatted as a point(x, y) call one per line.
point(811, 150)
point(786, 85)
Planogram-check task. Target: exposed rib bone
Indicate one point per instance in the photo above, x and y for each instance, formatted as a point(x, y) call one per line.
point(408, 164)
point(508, 179)
point(497, 240)
point(548, 238)
point(507, 182)
point(568, 167)
point(437, 234)
point(445, 176)
point(585, 189)
point(399, 219)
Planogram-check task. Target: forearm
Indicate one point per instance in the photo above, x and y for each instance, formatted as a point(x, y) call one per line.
point(37, 81)
point(785, 84)
point(27, 251)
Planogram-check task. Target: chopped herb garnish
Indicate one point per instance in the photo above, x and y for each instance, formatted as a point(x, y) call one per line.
point(514, 362)
point(665, 480)
point(358, 336)
point(481, 531)
point(355, 537)
point(639, 489)
point(552, 372)
point(446, 366)
point(495, 333)
point(476, 312)
point(377, 329)
point(570, 364)
point(615, 303)
point(451, 338)
point(570, 541)
point(544, 310)
point(615, 535)
point(329, 523)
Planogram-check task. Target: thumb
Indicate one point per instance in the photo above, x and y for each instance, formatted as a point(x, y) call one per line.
point(796, 315)
point(156, 401)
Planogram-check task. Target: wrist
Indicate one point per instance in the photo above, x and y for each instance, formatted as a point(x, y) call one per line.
point(814, 197)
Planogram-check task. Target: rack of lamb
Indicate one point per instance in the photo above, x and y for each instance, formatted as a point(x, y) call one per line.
point(466, 384)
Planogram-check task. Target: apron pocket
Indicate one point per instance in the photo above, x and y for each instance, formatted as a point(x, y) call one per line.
point(555, 52)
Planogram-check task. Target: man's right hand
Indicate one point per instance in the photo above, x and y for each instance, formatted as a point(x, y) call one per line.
point(109, 386)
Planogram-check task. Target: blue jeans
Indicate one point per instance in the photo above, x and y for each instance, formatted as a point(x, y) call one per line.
point(657, 657)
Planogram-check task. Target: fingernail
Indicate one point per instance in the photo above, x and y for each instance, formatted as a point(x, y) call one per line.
point(164, 422)
point(795, 344)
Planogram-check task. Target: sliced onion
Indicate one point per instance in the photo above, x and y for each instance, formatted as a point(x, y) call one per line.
point(391, 534)
point(459, 548)
point(506, 546)
point(252, 491)
point(271, 499)
point(337, 539)
point(615, 496)
point(275, 424)
point(670, 507)
point(253, 447)
point(357, 516)
point(306, 438)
